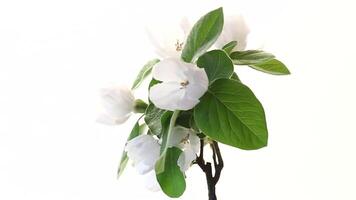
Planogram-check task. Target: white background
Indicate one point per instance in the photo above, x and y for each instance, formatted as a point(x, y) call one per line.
point(55, 55)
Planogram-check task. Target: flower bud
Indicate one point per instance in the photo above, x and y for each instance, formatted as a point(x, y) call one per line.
point(118, 103)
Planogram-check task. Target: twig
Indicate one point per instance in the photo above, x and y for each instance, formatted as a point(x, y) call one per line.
point(220, 165)
point(211, 179)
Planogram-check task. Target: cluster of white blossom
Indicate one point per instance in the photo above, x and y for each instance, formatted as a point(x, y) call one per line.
point(181, 85)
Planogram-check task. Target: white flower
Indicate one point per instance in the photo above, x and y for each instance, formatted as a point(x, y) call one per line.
point(168, 40)
point(144, 151)
point(118, 103)
point(188, 142)
point(150, 180)
point(182, 85)
point(235, 29)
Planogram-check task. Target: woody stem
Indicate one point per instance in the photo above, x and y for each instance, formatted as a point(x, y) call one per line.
point(206, 167)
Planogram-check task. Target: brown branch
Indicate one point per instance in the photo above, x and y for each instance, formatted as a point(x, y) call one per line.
point(214, 155)
point(200, 159)
point(207, 168)
point(220, 165)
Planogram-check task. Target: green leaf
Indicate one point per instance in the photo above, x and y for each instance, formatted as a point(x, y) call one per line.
point(136, 131)
point(153, 119)
point(184, 118)
point(217, 64)
point(274, 67)
point(140, 106)
point(145, 71)
point(171, 179)
point(168, 173)
point(165, 121)
point(235, 77)
point(231, 114)
point(203, 35)
point(250, 57)
point(229, 46)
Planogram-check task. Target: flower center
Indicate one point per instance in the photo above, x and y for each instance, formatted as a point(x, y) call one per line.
point(185, 140)
point(184, 84)
point(179, 45)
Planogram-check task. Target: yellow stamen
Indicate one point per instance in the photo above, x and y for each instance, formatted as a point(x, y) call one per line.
point(184, 84)
point(185, 140)
point(179, 45)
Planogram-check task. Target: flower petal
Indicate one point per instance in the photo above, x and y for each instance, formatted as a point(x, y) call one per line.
point(235, 29)
point(187, 103)
point(121, 95)
point(186, 158)
point(199, 83)
point(151, 182)
point(110, 120)
point(171, 94)
point(160, 48)
point(142, 168)
point(186, 27)
point(170, 70)
point(165, 36)
point(179, 134)
point(194, 142)
point(143, 150)
point(118, 102)
point(166, 95)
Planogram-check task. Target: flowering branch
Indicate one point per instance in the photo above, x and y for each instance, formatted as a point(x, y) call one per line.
point(201, 89)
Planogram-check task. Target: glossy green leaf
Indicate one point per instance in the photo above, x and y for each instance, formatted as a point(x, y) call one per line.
point(274, 67)
point(184, 118)
point(153, 119)
point(203, 35)
point(250, 57)
point(231, 114)
point(217, 64)
point(145, 71)
point(136, 131)
point(165, 120)
point(229, 46)
point(235, 77)
point(171, 179)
